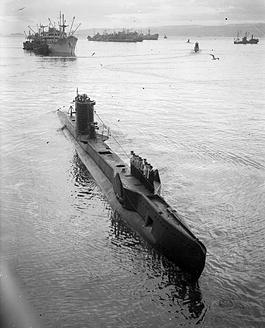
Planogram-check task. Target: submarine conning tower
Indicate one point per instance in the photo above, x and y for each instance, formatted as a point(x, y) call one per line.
point(84, 115)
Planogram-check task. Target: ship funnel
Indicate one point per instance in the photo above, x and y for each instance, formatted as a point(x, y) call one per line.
point(84, 108)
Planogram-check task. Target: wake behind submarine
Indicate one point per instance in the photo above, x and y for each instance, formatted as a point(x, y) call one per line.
point(133, 191)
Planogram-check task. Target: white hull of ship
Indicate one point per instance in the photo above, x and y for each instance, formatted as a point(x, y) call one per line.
point(63, 47)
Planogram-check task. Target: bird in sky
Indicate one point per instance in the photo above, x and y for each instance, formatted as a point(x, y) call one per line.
point(214, 58)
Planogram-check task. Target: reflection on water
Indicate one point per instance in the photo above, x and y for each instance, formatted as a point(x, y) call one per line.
point(59, 59)
point(54, 57)
point(80, 173)
point(150, 278)
point(172, 287)
point(85, 189)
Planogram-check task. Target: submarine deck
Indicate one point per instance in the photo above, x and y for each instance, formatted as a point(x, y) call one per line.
point(152, 217)
point(129, 181)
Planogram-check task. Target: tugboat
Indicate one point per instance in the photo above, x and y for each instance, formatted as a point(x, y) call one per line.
point(245, 40)
point(36, 44)
point(28, 44)
point(132, 190)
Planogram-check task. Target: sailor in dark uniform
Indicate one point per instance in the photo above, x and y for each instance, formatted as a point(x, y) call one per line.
point(132, 162)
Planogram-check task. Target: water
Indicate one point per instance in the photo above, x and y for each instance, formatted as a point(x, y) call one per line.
point(199, 121)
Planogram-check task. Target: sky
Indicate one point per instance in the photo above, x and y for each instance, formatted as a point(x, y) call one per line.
point(16, 15)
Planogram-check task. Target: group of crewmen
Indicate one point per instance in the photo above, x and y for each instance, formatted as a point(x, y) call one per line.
point(82, 98)
point(140, 166)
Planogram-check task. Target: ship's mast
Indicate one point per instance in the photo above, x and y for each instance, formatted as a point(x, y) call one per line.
point(31, 29)
point(43, 27)
point(76, 28)
point(60, 22)
point(63, 24)
point(71, 25)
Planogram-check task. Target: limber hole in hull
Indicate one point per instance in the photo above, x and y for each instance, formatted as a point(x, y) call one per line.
point(105, 152)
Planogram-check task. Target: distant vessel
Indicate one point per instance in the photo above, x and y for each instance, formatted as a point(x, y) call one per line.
point(245, 40)
point(149, 36)
point(28, 44)
point(133, 191)
point(36, 44)
point(54, 41)
point(165, 37)
point(122, 36)
point(196, 47)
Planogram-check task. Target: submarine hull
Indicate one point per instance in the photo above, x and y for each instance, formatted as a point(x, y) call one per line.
point(147, 214)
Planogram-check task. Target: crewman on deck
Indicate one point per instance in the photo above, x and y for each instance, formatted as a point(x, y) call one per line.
point(140, 164)
point(147, 170)
point(151, 175)
point(156, 184)
point(132, 154)
point(135, 162)
point(145, 167)
point(132, 161)
point(71, 110)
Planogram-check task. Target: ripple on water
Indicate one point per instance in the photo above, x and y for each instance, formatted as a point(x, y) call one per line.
point(80, 266)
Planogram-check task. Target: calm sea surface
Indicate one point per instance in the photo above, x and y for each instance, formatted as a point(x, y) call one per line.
point(200, 122)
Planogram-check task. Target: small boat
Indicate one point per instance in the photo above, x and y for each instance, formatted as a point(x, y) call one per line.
point(132, 190)
point(28, 45)
point(165, 37)
point(196, 47)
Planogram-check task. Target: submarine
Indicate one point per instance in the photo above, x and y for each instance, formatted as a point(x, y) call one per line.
point(132, 191)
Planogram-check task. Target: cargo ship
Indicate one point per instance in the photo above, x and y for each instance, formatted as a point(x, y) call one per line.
point(132, 190)
point(54, 41)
